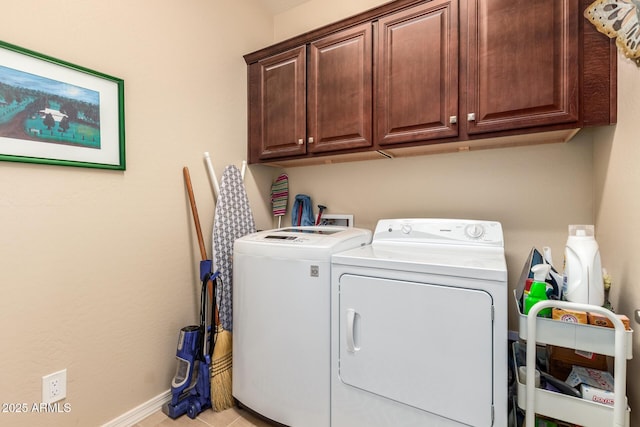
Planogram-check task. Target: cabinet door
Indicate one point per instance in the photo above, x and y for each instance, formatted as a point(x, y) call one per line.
point(277, 106)
point(416, 76)
point(339, 91)
point(523, 63)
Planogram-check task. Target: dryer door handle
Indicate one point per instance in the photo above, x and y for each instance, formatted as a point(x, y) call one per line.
point(352, 318)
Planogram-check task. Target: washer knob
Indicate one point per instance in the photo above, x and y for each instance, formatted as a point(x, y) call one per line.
point(475, 231)
point(406, 228)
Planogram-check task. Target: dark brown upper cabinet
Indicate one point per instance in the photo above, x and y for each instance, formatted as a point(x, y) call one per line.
point(521, 64)
point(412, 77)
point(416, 75)
point(277, 105)
point(339, 83)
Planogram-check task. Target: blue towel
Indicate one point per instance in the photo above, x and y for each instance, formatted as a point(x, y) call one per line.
point(304, 201)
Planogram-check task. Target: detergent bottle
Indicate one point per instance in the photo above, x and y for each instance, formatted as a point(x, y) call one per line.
point(538, 291)
point(582, 281)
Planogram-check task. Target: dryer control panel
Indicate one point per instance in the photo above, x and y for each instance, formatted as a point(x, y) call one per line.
point(439, 231)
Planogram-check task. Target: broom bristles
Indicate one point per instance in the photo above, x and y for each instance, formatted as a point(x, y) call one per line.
point(221, 386)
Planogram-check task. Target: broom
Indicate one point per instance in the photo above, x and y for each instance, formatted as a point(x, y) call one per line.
point(221, 362)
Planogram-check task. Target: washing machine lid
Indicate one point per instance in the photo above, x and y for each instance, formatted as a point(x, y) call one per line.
point(460, 248)
point(303, 241)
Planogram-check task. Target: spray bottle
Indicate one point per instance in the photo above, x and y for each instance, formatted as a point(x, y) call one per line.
point(538, 291)
point(582, 281)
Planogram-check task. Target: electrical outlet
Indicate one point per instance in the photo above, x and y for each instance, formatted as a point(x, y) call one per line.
point(54, 386)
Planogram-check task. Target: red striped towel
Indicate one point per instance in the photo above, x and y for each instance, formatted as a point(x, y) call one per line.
point(280, 195)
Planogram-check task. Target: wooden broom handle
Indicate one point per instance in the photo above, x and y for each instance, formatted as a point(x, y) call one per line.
point(203, 250)
point(194, 210)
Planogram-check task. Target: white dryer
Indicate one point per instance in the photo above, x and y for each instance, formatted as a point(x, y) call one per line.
point(281, 321)
point(419, 327)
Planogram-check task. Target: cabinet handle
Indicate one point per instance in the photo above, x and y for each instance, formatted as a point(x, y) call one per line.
point(310, 141)
point(300, 141)
point(453, 119)
point(471, 117)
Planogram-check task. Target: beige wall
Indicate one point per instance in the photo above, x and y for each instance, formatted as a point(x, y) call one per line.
point(617, 177)
point(533, 191)
point(98, 268)
point(314, 13)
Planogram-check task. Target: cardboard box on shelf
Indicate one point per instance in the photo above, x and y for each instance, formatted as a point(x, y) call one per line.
point(600, 320)
point(562, 360)
point(595, 385)
point(597, 395)
point(571, 316)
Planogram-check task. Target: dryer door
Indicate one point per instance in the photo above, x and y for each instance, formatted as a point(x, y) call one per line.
point(424, 345)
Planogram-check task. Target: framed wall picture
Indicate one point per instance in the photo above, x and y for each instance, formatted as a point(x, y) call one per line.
point(54, 112)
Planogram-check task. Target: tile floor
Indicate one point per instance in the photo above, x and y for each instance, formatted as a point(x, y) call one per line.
point(233, 417)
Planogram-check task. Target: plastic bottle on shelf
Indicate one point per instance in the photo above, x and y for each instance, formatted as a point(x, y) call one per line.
point(582, 281)
point(538, 291)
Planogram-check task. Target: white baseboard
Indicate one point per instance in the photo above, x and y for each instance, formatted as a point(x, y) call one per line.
point(140, 412)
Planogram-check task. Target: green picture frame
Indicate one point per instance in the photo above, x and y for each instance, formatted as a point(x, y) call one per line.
point(54, 112)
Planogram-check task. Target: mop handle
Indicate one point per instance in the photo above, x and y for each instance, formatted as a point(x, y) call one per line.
point(194, 210)
point(212, 175)
point(196, 220)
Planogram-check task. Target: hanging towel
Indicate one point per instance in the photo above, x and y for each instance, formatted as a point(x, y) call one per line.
point(232, 220)
point(302, 212)
point(280, 195)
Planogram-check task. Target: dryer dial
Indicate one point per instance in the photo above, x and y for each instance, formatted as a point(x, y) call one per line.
point(474, 231)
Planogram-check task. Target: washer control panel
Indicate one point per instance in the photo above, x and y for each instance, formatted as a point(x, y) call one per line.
point(440, 231)
point(307, 235)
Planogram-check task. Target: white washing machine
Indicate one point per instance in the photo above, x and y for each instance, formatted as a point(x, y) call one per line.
point(282, 319)
point(419, 327)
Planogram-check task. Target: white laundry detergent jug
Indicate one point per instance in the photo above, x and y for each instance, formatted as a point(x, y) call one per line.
point(582, 281)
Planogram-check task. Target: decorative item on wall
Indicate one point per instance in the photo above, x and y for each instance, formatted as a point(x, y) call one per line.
point(54, 112)
point(619, 19)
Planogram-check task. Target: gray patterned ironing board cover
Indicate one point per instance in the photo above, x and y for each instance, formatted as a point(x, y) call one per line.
point(232, 220)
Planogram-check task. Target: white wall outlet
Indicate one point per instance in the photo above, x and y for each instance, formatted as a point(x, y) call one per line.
point(54, 386)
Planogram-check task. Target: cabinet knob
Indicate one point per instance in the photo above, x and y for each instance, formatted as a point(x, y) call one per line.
point(453, 119)
point(310, 141)
point(471, 117)
point(300, 141)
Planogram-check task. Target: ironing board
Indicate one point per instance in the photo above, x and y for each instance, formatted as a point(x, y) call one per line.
point(232, 220)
